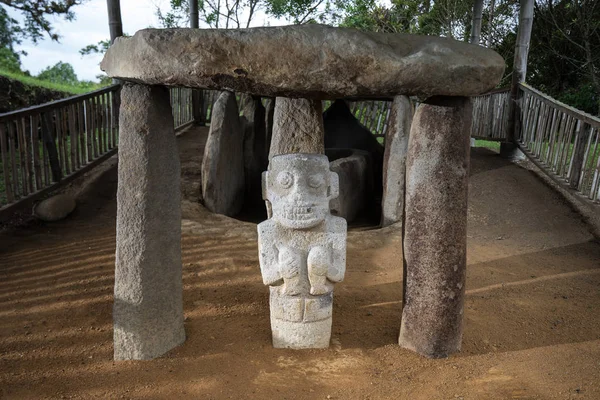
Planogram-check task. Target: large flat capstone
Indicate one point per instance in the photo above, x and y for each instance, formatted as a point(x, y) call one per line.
point(310, 61)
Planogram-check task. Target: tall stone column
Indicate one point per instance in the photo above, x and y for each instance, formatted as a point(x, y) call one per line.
point(148, 305)
point(435, 227)
point(297, 127)
point(394, 161)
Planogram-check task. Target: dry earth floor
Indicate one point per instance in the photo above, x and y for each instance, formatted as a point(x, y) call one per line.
point(532, 325)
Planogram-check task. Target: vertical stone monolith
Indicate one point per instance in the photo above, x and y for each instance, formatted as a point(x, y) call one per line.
point(223, 179)
point(394, 160)
point(297, 127)
point(269, 115)
point(255, 153)
point(148, 304)
point(435, 227)
point(301, 249)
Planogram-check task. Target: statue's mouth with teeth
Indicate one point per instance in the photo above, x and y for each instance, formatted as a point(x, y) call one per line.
point(299, 189)
point(301, 216)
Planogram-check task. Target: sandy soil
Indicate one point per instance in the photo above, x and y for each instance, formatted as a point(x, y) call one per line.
point(532, 326)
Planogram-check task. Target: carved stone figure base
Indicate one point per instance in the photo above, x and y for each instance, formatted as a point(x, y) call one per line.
point(300, 322)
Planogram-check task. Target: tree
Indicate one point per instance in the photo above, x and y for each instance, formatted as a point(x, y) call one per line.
point(302, 11)
point(565, 54)
point(35, 13)
point(214, 13)
point(240, 13)
point(99, 48)
point(59, 73)
point(10, 35)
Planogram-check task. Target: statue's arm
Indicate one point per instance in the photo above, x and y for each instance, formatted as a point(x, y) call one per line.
point(337, 269)
point(268, 257)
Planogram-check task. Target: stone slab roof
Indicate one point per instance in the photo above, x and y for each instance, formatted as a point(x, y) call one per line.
point(311, 61)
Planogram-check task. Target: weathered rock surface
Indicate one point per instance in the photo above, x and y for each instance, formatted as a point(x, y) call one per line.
point(301, 249)
point(148, 307)
point(435, 228)
point(255, 151)
point(394, 161)
point(269, 115)
point(355, 181)
point(55, 208)
point(310, 61)
point(297, 127)
point(223, 162)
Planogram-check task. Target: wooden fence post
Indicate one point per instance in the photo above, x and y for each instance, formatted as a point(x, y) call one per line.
point(51, 147)
point(579, 151)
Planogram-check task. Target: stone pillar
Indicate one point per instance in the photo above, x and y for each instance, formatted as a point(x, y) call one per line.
point(394, 161)
point(301, 249)
point(223, 161)
point(269, 114)
point(148, 304)
point(435, 227)
point(297, 127)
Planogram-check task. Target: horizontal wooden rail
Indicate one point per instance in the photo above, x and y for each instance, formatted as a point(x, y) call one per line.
point(24, 112)
point(490, 115)
point(563, 141)
point(44, 147)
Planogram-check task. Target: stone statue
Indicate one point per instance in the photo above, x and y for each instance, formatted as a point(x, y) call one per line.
point(302, 249)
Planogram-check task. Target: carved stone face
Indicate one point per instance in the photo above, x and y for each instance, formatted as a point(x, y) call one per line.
point(299, 187)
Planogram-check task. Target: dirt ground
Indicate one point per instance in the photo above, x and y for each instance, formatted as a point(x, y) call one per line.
point(532, 326)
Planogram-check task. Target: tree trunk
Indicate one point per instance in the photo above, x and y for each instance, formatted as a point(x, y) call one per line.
point(476, 25)
point(194, 18)
point(490, 23)
point(520, 65)
point(115, 25)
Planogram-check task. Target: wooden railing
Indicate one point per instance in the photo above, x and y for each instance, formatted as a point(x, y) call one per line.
point(490, 115)
point(374, 115)
point(181, 104)
point(562, 140)
point(46, 146)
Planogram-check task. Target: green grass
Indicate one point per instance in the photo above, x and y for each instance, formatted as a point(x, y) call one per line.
point(488, 144)
point(33, 81)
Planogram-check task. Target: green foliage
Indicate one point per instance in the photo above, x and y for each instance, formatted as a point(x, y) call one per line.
point(59, 73)
point(34, 81)
point(104, 80)
point(564, 60)
point(99, 48)
point(300, 11)
point(9, 60)
point(583, 97)
point(240, 13)
point(35, 14)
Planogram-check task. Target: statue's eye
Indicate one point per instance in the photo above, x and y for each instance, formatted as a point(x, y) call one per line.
point(285, 179)
point(316, 181)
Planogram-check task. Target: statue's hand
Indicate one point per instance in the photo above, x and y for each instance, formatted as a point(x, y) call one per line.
point(319, 260)
point(289, 263)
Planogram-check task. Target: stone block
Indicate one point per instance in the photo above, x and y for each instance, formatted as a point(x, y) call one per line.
point(297, 127)
point(222, 169)
point(355, 180)
point(55, 208)
point(394, 161)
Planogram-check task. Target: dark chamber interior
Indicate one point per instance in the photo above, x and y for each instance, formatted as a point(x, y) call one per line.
point(345, 138)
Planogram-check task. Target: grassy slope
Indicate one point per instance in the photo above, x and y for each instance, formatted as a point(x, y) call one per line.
point(32, 81)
